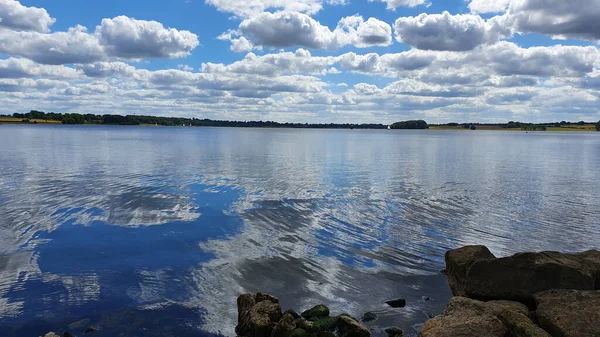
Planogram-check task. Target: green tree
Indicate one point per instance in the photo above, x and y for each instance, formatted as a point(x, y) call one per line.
point(413, 125)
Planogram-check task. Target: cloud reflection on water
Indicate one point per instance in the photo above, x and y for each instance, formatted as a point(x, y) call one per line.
point(100, 222)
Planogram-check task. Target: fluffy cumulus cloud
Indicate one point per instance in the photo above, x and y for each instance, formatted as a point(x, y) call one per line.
point(557, 18)
point(252, 7)
point(448, 32)
point(488, 6)
point(291, 29)
point(73, 46)
point(15, 16)
point(118, 38)
point(130, 38)
point(393, 4)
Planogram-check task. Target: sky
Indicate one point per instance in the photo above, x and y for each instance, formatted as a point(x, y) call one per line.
point(343, 61)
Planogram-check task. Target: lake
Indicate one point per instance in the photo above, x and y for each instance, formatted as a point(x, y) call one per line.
point(154, 231)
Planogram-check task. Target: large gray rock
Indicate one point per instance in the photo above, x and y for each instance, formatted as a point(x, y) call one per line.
point(458, 262)
point(592, 258)
point(520, 276)
point(498, 307)
point(464, 317)
point(520, 325)
point(569, 313)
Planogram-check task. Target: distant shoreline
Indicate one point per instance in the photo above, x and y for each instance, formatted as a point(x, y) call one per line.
point(524, 127)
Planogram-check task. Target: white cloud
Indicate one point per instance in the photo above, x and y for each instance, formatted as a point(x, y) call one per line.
point(73, 46)
point(17, 17)
point(129, 38)
point(107, 69)
point(24, 68)
point(393, 4)
point(289, 29)
point(557, 18)
point(252, 7)
point(448, 32)
point(121, 37)
point(488, 6)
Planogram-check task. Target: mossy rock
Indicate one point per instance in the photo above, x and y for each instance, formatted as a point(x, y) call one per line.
point(293, 313)
point(319, 311)
point(325, 324)
point(348, 315)
point(301, 333)
point(394, 332)
point(299, 322)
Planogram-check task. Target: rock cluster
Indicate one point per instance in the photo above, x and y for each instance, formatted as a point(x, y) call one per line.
point(259, 315)
point(524, 295)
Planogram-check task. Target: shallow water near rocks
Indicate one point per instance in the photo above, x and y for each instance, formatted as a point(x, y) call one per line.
point(155, 231)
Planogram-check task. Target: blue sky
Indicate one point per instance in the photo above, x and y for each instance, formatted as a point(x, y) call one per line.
point(304, 60)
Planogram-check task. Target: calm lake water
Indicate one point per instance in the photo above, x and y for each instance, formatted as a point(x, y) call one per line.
point(155, 231)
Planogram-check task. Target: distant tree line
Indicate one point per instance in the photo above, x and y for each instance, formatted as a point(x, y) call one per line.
point(176, 121)
point(519, 125)
point(412, 125)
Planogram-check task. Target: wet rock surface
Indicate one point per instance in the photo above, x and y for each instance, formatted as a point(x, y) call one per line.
point(264, 319)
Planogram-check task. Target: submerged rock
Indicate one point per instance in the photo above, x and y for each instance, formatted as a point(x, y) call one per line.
point(316, 312)
point(90, 330)
point(569, 313)
point(51, 334)
point(394, 332)
point(458, 262)
point(67, 334)
point(399, 303)
point(464, 317)
point(79, 324)
point(368, 317)
point(348, 327)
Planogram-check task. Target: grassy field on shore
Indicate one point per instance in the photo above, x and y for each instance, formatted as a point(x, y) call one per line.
point(13, 120)
point(564, 128)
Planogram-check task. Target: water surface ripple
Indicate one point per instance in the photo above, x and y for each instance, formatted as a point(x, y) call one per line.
point(155, 231)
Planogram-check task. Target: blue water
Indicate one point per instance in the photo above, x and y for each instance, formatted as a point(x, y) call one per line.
point(155, 231)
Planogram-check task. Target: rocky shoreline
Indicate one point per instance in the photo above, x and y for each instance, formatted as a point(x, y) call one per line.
point(547, 294)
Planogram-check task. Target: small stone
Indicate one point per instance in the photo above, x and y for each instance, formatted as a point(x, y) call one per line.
point(347, 327)
point(399, 303)
point(394, 332)
point(316, 312)
point(426, 299)
point(368, 317)
point(90, 330)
